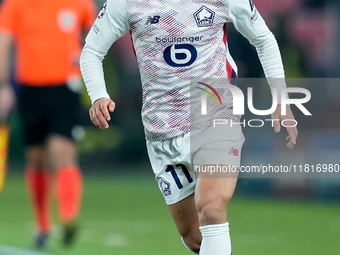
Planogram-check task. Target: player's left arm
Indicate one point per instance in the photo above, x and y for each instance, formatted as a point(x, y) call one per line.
point(248, 21)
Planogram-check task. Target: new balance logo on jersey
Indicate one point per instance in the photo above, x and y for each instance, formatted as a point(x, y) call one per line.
point(233, 151)
point(204, 17)
point(152, 20)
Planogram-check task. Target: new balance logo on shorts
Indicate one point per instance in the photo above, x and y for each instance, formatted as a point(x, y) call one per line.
point(152, 20)
point(233, 151)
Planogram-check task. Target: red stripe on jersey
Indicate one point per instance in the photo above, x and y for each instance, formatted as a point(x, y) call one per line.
point(133, 46)
point(229, 67)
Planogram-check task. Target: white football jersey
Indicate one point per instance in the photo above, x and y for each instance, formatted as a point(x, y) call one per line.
point(175, 41)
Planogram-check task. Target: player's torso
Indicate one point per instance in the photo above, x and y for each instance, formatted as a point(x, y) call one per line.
point(175, 41)
point(181, 37)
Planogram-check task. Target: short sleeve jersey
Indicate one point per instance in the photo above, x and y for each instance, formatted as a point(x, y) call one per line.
point(175, 41)
point(47, 36)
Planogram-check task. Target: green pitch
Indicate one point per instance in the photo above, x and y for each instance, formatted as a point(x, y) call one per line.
point(127, 216)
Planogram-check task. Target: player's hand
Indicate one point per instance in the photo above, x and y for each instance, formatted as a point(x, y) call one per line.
point(7, 101)
point(100, 112)
point(292, 131)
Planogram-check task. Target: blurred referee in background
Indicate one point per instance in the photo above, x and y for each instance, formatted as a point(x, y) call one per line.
point(47, 39)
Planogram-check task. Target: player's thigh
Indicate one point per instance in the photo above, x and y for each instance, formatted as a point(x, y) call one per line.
point(217, 154)
point(212, 196)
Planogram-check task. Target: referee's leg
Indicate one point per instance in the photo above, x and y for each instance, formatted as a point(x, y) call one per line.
point(38, 183)
point(69, 185)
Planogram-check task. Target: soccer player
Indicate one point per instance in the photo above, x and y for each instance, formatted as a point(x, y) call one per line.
point(176, 41)
point(47, 37)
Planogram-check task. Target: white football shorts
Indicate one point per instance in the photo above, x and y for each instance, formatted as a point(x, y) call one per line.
point(174, 160)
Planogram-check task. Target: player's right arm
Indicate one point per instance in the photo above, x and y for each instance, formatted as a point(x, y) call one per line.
point(110, 25)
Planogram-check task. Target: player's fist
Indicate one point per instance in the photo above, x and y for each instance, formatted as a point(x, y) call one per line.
point(100, 112)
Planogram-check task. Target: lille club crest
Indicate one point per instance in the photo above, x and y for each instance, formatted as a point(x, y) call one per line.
point(204, 17)
point(165, 187)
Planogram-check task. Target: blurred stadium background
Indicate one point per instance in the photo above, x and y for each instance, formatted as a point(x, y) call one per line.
point(123, 211)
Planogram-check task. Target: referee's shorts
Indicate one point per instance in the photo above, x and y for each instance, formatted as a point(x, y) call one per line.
point(48, 110)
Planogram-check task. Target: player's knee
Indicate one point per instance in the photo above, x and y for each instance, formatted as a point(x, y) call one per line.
point(192, 243)
point(212, 212)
